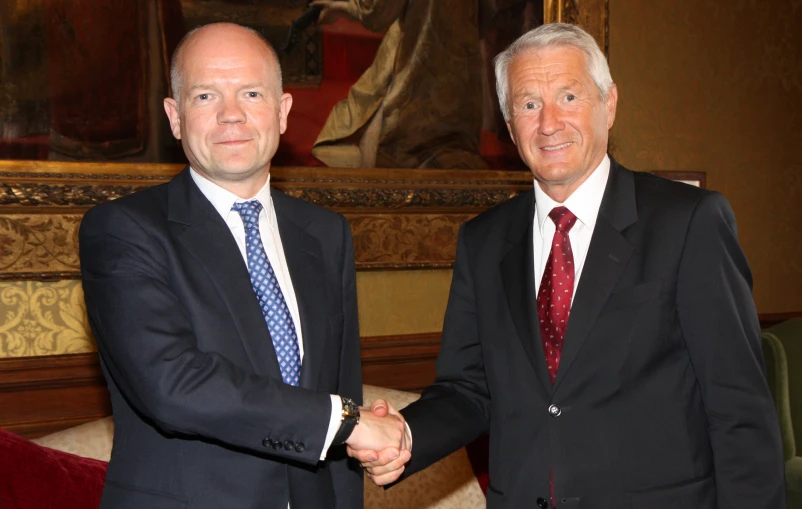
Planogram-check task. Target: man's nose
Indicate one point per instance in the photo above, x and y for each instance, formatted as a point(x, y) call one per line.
point(231, 112)
point(550, 121)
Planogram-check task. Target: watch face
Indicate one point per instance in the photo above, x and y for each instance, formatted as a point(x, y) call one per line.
point(350, 407)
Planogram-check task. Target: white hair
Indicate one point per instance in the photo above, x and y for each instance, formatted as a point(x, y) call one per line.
point(553, 35)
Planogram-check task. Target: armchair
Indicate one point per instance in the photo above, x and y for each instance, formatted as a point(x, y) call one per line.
point(782, 348)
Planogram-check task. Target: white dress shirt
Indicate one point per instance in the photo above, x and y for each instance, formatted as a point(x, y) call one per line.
point(223, 200)
point(584, 202)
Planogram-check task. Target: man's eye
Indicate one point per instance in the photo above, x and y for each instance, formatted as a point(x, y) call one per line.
point(203, 97)
point(570, 98)
point(253, 95)
point(529, 106)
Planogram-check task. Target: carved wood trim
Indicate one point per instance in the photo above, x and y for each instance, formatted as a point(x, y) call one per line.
point(401, 219)
point(62, 184)
point(49, 372)
point(44, 394)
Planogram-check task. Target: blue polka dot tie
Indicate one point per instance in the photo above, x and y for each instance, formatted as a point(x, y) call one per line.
point(271, 300)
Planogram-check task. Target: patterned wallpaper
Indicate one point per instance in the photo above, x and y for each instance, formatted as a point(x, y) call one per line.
point(39, 242)
point(43, 318)
point(717, 87)
point(48, 318)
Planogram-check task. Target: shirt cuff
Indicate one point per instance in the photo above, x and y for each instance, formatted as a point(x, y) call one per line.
point(409, 435)
point(334, 423)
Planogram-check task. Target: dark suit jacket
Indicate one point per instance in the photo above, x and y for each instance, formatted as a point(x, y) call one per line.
point(202, 418)
point(660, 399)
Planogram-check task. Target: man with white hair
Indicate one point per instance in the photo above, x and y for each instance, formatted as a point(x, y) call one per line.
point(600, 327)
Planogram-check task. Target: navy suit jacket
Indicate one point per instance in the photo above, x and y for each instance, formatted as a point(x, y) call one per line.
point(202, 417)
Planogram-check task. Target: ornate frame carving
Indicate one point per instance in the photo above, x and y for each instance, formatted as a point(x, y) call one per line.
point(401, 219)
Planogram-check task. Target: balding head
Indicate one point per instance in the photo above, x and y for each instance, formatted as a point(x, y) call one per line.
point(212, 35)
point(228, 109)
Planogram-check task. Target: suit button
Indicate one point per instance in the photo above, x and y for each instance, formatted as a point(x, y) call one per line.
point(289, 445)
point(541, 502)
point(267, 443)
point(555, 411)
point(300, 447)
point(276, 444)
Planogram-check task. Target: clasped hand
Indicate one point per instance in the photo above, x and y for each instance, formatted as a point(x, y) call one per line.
point(381, 442)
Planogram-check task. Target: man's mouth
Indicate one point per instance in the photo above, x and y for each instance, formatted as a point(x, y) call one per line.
point(557, 147)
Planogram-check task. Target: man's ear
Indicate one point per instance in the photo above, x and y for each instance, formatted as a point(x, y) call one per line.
point(284, 106)
point(512, 134)
point(171, 108)
point(611, 105)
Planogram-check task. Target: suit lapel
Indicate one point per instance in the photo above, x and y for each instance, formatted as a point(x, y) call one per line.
point(206, 236)
point(305, 262)
point(518, 277)
point(607, 257)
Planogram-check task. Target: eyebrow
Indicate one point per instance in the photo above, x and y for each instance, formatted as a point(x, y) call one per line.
point(253, 85)
point(200, 87)
point(525, 96)
point(206, 86)
point(572, 85)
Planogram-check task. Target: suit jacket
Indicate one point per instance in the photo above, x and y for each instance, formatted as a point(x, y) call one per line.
point(202, 417)
point(660, 398)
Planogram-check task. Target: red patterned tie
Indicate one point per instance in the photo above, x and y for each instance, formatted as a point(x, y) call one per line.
point(556, 290)
point(554, 297)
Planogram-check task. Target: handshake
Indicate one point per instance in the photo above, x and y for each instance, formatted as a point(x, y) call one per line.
point(381, 442)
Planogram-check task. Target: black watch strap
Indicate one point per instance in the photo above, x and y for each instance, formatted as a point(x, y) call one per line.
point(350, 418)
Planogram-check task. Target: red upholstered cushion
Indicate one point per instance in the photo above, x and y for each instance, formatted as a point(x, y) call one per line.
point(479, 455)
point(35, 477)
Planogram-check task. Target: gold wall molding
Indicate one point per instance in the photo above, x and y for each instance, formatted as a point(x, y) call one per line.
point(31, 194)
point(406, 197)
point(61, 195)
point(401, 219)
point(60, 184)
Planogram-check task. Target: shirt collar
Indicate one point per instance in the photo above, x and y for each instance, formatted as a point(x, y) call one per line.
point(222, 200)
point(584, 202)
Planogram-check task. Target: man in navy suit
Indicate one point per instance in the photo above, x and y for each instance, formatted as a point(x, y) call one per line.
point(225, 311)
point(600, 327)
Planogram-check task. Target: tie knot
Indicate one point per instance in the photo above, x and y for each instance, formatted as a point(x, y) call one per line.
point(563, 219)
point(249, 212)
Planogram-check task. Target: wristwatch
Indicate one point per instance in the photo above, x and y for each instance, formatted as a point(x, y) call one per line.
point(349, 420)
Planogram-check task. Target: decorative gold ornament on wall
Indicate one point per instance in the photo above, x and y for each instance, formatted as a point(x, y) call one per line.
point(43, 318)
point(38, 243)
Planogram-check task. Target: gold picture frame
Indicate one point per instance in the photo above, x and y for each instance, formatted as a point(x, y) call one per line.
point(592, 15)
